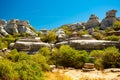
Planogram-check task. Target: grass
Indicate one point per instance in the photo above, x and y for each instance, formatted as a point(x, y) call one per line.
point(56, 76)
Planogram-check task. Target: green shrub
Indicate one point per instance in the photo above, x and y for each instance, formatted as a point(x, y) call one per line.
point(111, 57)
point(7, 71)
point(112, 38)
point(70, 57)
point(116, 25)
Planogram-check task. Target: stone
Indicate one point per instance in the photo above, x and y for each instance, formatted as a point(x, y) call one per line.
point(2, 22)
point(76, 26)
point(2, 31)
point(61, 36)
point(29, 45)
point(92, 22)
point(44, 31)
point(89, 44)
point(19, 26)
point(117, 33)
point(109, 19)
point(88, 67)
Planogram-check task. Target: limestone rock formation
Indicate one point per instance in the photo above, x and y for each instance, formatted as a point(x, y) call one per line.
point(3, 22)
point(15, 26)
point(76, 26)
point(29, 45)
point(2, 26)
point(92, 22)
point(109, 19)
point(2, 31)
point(60, 35)
point(89, 44)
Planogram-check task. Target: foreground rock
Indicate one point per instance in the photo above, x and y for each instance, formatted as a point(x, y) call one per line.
point(29, 45)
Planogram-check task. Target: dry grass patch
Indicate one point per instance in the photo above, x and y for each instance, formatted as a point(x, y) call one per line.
point(56, 76)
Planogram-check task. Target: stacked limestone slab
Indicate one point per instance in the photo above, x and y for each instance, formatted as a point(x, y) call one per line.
point(15, 26)
point(93, 21)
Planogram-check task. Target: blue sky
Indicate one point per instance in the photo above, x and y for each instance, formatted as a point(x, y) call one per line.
point(49, 14)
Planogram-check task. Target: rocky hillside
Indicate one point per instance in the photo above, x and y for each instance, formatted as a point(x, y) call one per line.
point(16, 26)
point(94, 21)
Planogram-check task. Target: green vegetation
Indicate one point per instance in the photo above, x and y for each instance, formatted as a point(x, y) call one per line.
point(116, 25)
point(112, 38)
point(50, 37)
point(21, 66)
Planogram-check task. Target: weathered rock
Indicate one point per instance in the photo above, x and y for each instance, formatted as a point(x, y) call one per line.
point(44, 31)
point(117, 33)
point(88, 67)
point(60, 35)
point(2, 31)
point(89, 44)
point(2, 22)
point(109, 19)
point(19, 26)
point(76, 26)
point(29, 45)
point(92, 22)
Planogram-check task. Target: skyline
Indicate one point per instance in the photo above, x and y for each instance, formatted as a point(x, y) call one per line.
point(49, 14)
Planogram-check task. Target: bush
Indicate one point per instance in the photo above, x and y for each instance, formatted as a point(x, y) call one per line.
point(111, 57)
point(7, 71)
point(112, 38)
point(96, 56)
point(116, 25)
point(24, 66)
point(69, 57)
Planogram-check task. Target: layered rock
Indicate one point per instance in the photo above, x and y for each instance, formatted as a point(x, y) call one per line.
point(2, 31)
point(15, 26)
point(109, 19)
point(92, 22)
point(19, 26)
point(89, 44)
point(61, 36)
point(3, 22)
point(2, 26)
point(29, 45)
point(76, 26)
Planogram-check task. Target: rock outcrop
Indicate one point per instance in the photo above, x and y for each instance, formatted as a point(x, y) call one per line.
point(89, 44)
point(28, 45)
point(61, 36)
point(109, 19)
point(92, 22)
point(15, 26)
point(76, 26)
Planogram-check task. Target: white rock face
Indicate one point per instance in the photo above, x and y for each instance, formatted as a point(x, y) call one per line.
point(61, 35)
point(2, 31)
point(29, 45)
point(89, 44)
point(15, 26)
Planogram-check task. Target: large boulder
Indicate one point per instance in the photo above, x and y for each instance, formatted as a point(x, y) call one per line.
point(89, 44)
point(3, 22)
point(2, 31)
point(92, 22)
point(109, 19)
point(19, 26)
point(29, 45)
point(61, 36)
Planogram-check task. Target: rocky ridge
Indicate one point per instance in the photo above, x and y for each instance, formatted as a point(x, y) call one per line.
point(94, 21)
point(15, 26)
